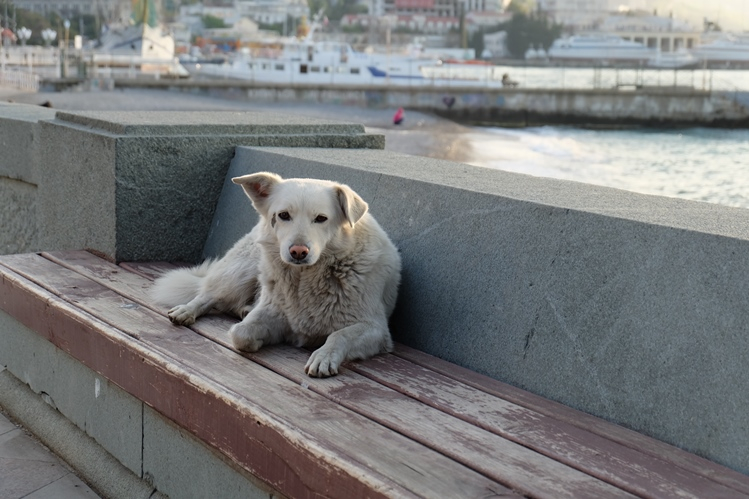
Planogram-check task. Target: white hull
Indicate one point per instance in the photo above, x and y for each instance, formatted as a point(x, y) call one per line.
point(726, 50)
point(332, 64)
point(674, 60)
point(599, 48)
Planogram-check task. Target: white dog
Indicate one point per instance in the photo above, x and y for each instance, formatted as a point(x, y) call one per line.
point(317, 269)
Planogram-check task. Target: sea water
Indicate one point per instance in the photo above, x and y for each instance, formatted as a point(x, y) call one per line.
point(701, 164)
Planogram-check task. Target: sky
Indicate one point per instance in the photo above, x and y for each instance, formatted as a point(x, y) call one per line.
point(731, 15)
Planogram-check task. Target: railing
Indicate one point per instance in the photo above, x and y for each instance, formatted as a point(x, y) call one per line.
point(19, 79)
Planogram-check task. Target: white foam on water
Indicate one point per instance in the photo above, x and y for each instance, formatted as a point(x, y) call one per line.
point(701, 164)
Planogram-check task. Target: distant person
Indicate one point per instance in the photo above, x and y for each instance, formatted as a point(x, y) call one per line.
point(399, 116)
point(507, 82)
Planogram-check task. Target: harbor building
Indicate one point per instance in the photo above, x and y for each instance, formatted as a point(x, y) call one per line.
point(106, 9)
point(429, 16)
point(577, 15)
point(667, 34)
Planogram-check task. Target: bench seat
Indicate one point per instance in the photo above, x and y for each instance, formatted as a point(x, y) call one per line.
point(404, 424)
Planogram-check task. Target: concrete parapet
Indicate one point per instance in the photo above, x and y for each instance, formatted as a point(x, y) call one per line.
point(137, 185)
point(19, 175)
point(20, 140)
point(626, 306)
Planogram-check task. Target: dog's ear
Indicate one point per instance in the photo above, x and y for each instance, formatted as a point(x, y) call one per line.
point(353, 206)
point(258, 187)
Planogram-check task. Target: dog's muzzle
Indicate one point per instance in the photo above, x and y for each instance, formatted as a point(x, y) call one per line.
point(298, 253)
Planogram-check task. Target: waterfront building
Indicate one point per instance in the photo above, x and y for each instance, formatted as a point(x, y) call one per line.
point(576, 15)
point(272, 11)
point(667, 34)
point(429, 16)
point(105, 9)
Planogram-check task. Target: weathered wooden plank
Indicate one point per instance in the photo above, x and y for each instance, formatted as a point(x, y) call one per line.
point(149, 270)
point(522, 469)
point(296, 440)
point(689, 462)
point(622, 466)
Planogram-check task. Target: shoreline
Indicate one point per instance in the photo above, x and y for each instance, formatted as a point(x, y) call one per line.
point(420, 134)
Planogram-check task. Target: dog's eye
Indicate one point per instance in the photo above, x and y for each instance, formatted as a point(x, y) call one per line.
point(284, 215)
point(320, 219)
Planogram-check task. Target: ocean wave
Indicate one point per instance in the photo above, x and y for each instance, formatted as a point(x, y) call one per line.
point(697, 163)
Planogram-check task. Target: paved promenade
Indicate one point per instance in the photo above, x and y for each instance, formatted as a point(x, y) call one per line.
point(29, 470)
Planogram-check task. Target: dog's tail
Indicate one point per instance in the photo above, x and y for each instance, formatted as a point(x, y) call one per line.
point(179, 286)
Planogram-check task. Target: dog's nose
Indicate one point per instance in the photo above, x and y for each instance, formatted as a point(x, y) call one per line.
point(299, 252)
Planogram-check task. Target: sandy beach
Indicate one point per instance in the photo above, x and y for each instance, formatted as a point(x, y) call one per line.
point(420, 134)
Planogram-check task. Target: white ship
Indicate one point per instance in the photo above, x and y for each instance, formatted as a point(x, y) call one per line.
point(333, 64)
point(678, 59)
point(600, 49)
point(727, 50)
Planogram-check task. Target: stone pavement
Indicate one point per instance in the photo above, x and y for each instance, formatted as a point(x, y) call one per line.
point(29, 470)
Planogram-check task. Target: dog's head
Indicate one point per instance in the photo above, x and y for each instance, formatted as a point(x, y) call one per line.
point(306, 216)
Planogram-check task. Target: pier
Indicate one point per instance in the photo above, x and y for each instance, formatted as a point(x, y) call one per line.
point(620, 106)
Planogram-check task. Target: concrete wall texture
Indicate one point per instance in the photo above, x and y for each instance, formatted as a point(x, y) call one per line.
point(626, 306)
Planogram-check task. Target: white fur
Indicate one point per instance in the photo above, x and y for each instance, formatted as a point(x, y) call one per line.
point(338, 292)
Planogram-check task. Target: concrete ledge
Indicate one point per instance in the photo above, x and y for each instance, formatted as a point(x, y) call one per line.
point(626, 306)
point(132, 184)
point(644, 106)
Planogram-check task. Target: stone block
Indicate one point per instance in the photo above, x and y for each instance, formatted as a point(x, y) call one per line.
point(20, 140)
point(143, 186)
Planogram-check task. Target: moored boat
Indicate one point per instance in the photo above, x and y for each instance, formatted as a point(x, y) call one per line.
point(727, 50)
point(599, 49)
point(294, 61)
point(679, 59)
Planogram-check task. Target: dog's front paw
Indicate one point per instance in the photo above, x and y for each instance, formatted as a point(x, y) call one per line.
point(323, 362)
point(244, 338)
point(181, 315)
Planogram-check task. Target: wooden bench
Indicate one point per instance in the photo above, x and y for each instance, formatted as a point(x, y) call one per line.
point(399, 425)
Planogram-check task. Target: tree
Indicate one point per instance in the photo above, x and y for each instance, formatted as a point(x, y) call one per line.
point(335, 10)
point(522, 6)
point(523, 30)
point(526, 30)
point(477, 42)
point(212, 22)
